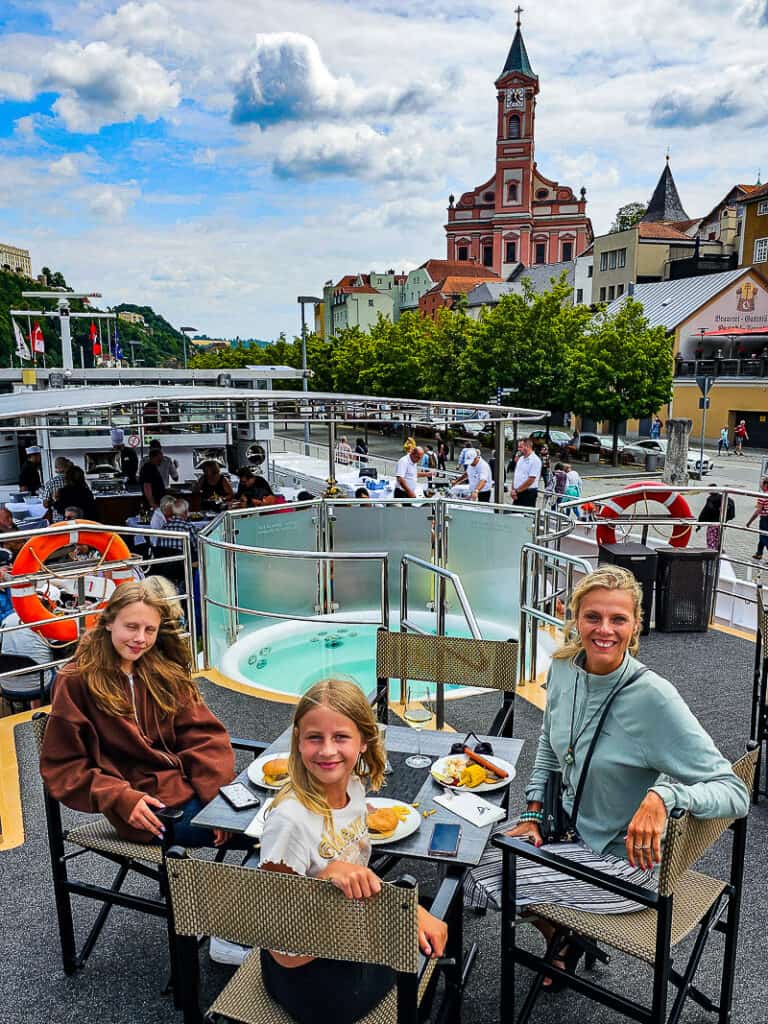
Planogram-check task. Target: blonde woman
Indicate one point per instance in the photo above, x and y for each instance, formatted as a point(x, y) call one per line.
point(317, 827)
point(129, 733)
point(652, 756)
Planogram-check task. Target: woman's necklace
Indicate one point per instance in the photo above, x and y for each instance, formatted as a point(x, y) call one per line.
point(573, 740)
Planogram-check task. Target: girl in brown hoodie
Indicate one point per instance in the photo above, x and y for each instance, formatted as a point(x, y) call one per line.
point(128, 732)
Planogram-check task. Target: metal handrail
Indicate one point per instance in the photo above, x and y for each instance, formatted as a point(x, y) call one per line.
point(443, 576)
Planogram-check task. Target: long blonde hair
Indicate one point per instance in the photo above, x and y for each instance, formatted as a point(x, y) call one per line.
point(345, 698)
point(605, 577)
point(165, 669)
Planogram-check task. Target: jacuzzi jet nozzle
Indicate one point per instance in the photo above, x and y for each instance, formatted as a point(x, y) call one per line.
point(333, 641)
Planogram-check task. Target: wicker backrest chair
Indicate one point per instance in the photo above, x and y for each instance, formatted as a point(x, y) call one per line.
point(686, 900)
point(271, 910)
point(487, 664)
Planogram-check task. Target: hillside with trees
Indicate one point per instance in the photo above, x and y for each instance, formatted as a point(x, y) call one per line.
point(158, 343)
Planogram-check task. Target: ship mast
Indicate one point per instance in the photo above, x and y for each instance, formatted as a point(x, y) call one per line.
point(64, 315)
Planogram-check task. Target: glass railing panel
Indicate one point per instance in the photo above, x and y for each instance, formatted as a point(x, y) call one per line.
point(219, 587)
point(275, 584)
point(281, 530)
point(484, 549)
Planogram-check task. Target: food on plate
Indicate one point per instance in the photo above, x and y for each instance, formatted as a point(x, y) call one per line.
point(275, 772)
point(382, 821)
point(489, 766)
point(473, 775)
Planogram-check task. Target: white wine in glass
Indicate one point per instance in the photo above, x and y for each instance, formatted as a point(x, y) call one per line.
point(417, 716)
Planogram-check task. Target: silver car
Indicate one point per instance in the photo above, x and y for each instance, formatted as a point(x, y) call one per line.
point(640, 449)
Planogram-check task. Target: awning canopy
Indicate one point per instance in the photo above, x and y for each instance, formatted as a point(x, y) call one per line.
point(732, 332)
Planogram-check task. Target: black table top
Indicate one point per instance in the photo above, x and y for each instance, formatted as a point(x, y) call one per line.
point(407, 784)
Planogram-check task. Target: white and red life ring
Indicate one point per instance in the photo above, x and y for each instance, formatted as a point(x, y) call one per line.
point(674, 502)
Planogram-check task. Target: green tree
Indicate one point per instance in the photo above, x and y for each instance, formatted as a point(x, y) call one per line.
point(620, 368)
point(628, 215)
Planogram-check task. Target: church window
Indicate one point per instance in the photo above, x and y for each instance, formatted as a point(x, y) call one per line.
point(487, 255)
point(513, 127)
point(761, 251)
point(567, 251)
point(489, 197)
point(512, 192)
point(542, 193)
point(463, 252)
point(511, 252)
point(541, 252)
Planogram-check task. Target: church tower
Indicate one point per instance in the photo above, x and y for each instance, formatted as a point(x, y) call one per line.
point(518, 217)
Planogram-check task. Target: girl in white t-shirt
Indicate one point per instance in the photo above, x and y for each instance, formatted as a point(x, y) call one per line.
point(317, 827)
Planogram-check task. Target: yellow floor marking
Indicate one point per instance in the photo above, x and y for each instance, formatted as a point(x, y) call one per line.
point(226, 683)
point(11, 820)
point(533, 691)
point(743, 634)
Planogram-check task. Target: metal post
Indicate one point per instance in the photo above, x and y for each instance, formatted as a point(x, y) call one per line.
point(66, 337)
point(498, 483)
point(331, 457)
point(705, 402)
point(439, 689)
point(304, 383)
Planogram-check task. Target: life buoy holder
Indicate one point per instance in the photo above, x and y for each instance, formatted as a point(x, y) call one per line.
point(31, 559)
point(674, 502)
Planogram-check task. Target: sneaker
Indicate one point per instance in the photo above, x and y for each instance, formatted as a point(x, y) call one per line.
point(223, 952)
point(758, 554)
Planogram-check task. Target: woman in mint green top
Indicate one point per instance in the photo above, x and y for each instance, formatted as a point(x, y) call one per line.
point(652, 756)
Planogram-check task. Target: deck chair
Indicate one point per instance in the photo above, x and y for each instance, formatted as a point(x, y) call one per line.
point(686, 900)
point(97, 836)
point(283, 911)
point(489, 664)
point(32, 682)
point(759, 723)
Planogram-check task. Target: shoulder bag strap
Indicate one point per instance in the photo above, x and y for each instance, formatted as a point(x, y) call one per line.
point(596, 737)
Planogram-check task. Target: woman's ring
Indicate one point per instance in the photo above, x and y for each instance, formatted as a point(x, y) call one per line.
point(639, 846)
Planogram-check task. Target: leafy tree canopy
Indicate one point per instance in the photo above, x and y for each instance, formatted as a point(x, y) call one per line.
point(628, 215)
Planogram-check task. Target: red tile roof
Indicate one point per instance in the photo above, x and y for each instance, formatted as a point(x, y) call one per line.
point(438, 269)
point(453, 285)
point(757, 192)
point(662, 231)
point(351, 289)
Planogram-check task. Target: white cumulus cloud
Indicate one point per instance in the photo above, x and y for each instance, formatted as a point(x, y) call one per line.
point(347, 151)
point(101, 84)
point(16, 86)
point(146, 26)
point(109, 202)
point(286, 79)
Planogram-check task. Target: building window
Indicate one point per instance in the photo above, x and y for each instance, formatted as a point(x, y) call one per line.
point(761, 250)
point(541, 252)
point(612, 260)
point(513, 127)
point(762, 208)
point(511, 252)
point(567, 251)
point(622, 258)
point(542, 193)
point(590, 270)
point(602, 294)
point(603, 260)
point(487, 255)
point(611, 293)
point(370, 302)
point(489, 197)
point(579, 296)
point(463, 252)
point(512, 192)
point(619, 290)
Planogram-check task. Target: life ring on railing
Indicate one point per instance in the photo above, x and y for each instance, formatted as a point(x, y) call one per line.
point(674, 502)
point(26, 602)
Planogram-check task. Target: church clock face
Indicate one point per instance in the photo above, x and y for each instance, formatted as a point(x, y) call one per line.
point(514, 99)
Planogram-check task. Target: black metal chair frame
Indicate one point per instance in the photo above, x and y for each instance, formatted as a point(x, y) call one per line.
point(723, 916)
point(22, 665)
point(759, 719)
point(65, 887)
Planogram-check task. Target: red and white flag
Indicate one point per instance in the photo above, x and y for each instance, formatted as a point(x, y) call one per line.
point(37, 339)
point(94, 336)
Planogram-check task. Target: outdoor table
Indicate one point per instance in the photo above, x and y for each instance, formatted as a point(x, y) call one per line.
point(410, 785)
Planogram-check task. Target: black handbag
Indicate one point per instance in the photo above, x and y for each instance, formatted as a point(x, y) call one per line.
point(557, 826)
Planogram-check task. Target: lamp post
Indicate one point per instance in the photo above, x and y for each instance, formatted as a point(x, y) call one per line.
point(314, 301)
point(185, 331)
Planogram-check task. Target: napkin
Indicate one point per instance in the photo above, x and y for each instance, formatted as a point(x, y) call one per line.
point(477, 811)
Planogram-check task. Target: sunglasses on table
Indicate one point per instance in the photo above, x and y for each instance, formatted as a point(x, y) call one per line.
point(481, 746)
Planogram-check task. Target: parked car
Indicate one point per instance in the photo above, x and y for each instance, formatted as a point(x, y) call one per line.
point(557, 441)
point(599, 444)
point(639, 449)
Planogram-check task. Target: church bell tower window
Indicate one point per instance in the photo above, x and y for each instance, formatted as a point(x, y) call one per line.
point(487, 255)
point(513, 127)
point(512, 192)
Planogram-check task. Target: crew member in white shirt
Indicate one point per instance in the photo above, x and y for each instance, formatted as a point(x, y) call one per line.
point(525, 485)
point(477, 473)
point(408, 472)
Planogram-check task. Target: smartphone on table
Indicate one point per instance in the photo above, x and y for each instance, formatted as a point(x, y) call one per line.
point(239, 796)
point(445, 840)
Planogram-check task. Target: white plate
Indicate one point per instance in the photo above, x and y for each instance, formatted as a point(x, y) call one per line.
point(404, 828)
point(256, 773)
point(256, 826)
point(484, 787)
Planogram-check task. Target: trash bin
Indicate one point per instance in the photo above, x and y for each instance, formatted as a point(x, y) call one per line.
point(593, 457)
point(651, 461)
point(685, 585)
point(641, 562)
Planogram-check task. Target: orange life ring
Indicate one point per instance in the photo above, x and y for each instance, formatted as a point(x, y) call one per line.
point(31, 559)
point(675, 503)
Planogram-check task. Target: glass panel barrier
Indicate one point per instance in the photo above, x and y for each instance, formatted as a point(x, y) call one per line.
point(484, 549)
point(218, 587)
point(293, 529)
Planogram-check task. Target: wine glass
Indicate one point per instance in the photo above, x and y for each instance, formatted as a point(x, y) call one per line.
point(388, 769)
point(417, 716)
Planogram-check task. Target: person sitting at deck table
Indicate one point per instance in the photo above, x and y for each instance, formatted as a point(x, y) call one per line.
point(525, 484)
point(213, 486)
point(150, 479)
point(48, 493)
point(177, 518)
point(477, 473)
point(22, 641)
point(160, 515)
point(407, 473)
point(75, 492)
point(342, 453)
point(652, 756)
point(761, 510)
point(317, 827)
point(7, 525)
point(129, 733)
point(30, 479)
point(253, 489)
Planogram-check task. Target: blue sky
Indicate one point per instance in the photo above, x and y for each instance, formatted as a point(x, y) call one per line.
point(217, 160)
